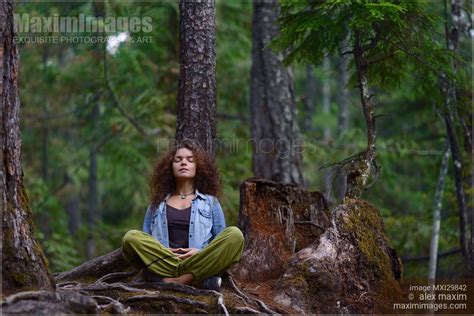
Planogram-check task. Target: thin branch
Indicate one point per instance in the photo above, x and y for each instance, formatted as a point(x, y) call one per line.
point(123, 112)
point(440, 255)
point(119, 106)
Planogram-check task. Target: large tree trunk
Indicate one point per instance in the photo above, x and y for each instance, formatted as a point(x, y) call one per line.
point(197, 79)
point(23, 263)
point(274, 128)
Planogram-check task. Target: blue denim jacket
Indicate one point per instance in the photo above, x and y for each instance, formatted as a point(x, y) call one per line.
point(206, 221)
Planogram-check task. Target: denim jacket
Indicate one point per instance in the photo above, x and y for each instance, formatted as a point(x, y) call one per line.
point(205, 223)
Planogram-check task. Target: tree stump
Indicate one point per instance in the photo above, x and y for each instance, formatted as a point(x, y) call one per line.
point(352, 269)
point(277, 220)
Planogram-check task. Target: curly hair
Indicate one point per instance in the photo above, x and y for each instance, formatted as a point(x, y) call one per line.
point(162, 180)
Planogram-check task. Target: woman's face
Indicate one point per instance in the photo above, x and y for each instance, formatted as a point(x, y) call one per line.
point(184, 165)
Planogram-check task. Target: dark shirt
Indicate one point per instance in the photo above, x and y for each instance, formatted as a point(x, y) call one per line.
point(178, 226)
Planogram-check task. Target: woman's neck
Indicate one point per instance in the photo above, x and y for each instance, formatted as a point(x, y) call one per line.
point(184, 186)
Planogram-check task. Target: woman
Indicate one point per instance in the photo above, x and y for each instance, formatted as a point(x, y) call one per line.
point(184, 239)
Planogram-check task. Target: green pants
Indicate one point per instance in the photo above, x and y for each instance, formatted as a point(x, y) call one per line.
point(214, 259)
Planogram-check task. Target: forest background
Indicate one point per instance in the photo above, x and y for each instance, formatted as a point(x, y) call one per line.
point(96, 117)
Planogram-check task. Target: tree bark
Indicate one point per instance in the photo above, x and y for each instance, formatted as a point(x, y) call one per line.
point(274, 130)
point(358, 174)
point(460, 195)
point(23, 263)
point(437, 213)
point(196, 108)
point(452, 41)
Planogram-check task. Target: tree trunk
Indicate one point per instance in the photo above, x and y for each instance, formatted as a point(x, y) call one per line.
point(359, 172)
point(274, 128)
point(277, 220)
point(452, 41)
point(461, 25)
point(437, 213)
point(460, 196)
point(197, 79)
point(23, 263)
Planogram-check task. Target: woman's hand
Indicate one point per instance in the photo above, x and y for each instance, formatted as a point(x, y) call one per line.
point(184, 253)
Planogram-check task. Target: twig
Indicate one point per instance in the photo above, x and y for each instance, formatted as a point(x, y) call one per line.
point(440, 255)
point(119, 106)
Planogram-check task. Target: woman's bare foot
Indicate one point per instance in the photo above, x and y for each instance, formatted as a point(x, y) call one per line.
point(183, 279)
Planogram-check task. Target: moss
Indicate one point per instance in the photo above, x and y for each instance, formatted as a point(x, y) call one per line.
point(364, 223)
point(25, 203)
point(231, 300)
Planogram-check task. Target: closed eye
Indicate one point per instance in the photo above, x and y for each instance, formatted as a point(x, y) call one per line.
point(179, 158)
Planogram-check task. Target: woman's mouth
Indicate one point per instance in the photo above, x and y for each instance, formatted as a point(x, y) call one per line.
point(183, 169)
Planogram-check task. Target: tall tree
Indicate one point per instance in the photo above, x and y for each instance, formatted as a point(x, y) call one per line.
point(274, 128)
point(452, 41)
point(383, 38)
point(23, 263)
point(196, 108)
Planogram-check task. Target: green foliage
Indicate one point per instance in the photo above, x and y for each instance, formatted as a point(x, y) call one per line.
point(59, 244)
point(392, 36)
